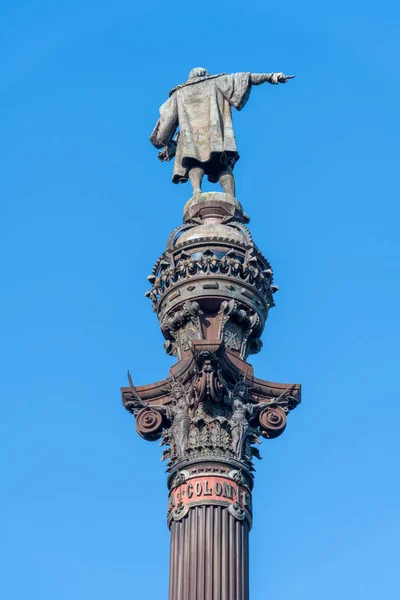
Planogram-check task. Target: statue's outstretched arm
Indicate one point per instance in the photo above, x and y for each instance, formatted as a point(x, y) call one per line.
point(259, 407)
point(163, 410)
point(259, 78)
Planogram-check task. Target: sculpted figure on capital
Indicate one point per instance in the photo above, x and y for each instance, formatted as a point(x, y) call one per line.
point(176, 413)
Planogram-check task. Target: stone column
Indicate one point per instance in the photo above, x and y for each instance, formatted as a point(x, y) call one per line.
point(209, 556)
point(212, 290)
point(209, 517)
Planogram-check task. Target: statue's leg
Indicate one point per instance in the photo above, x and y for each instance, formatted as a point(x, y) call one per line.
point(227, 181)
point(196, 175)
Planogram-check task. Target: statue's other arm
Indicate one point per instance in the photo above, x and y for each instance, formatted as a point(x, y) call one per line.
point(167, 123)
point(274, 78)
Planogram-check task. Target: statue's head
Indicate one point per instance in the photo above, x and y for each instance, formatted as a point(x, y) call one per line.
point(198, 72)
point(178, 391)
point(237, 403)
point(240, 390)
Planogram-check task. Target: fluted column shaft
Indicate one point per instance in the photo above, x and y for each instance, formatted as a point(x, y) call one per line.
point(209, 556)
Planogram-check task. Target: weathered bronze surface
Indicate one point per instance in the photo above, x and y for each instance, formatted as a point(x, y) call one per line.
point(202, 109)
point(212, 290)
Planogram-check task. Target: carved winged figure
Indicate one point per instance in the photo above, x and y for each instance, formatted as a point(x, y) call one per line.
point(244, 415)
point(176, 413)
point(240, 427)
point(240, 420)
point(181, 420)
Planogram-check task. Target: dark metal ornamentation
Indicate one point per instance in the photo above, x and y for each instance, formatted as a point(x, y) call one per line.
point(232, 264)
point(212, 281)
point(272, 422)
point(149, 424)
point(180, 327)
point(210, 384)
point(212, 290)
point(210, 410)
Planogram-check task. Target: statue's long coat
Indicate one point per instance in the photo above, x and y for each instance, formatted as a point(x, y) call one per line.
point(202, 111)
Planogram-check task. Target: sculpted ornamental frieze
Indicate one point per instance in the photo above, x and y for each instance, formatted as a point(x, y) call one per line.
point(207, 262)
point(234, 257)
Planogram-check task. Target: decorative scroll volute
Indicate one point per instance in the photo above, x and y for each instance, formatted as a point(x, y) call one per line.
point(272, 422)
point(149, 424)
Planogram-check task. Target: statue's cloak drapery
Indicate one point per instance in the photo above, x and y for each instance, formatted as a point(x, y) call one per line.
point(202, 111)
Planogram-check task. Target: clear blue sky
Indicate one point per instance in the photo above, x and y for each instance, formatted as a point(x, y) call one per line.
point(86, 209)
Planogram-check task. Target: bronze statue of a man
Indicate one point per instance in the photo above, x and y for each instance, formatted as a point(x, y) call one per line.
point(202, 110)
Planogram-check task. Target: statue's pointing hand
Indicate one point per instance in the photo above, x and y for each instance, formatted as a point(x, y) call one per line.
point(274, 78)
point(281, 78)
